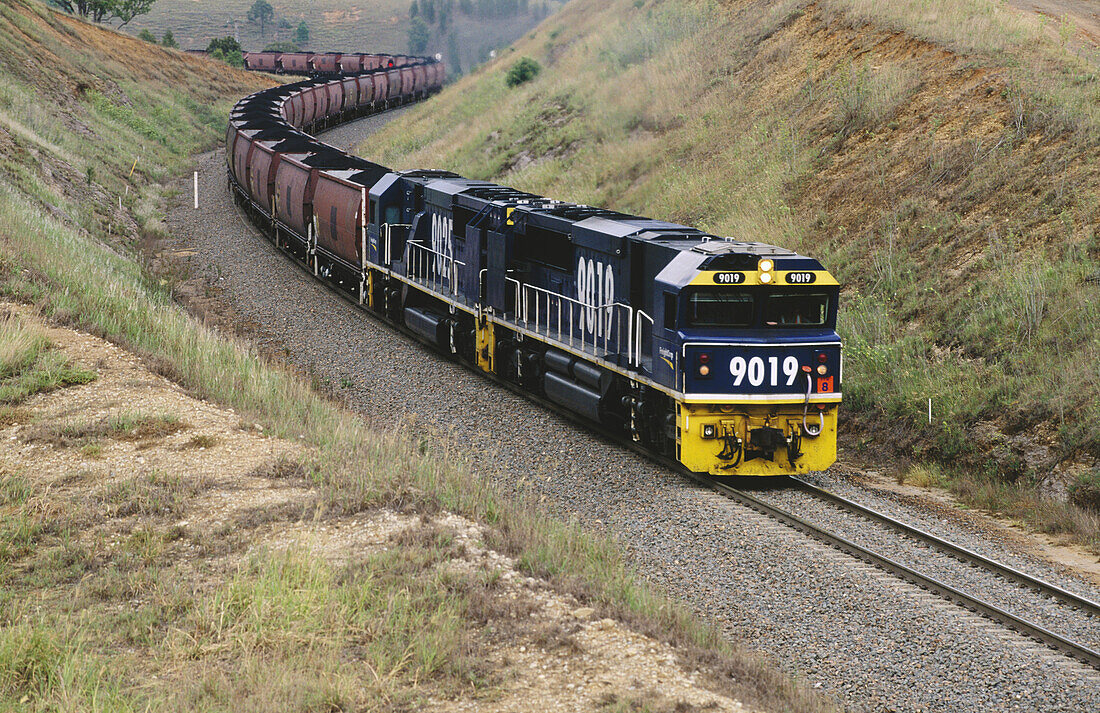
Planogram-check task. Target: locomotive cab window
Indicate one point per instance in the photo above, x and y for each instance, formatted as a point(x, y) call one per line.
point(796, 309)
point(670, 311)
point(719, 307)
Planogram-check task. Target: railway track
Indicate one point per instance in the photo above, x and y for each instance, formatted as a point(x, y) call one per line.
point(960, 553)
point(1000, 615)
point(1077, 650)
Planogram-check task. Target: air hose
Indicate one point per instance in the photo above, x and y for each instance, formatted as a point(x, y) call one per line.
point(731, 449)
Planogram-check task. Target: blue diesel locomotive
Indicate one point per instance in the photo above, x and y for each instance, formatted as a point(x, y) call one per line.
point(719, 353)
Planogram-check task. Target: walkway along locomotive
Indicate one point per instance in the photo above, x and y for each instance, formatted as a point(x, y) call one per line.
point(719, 353)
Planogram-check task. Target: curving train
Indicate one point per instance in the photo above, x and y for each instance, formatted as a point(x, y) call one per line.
point(719, 353)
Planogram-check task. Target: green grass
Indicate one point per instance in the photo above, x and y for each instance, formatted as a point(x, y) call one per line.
point(120, 426)
point(14, 489)
point(1077, 520)
point(40, 664)
point(21, 345)
point(28, 365)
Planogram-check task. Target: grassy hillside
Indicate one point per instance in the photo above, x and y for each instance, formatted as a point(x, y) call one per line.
point(336, 25)
point(941, 164)
point(110, 599)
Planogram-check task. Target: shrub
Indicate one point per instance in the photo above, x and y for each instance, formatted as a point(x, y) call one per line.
point(1085, 492)
point(522, 71)
point(282, 47)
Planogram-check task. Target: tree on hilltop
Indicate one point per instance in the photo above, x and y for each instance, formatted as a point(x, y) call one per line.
point(105, 10)
point(127, 10)
point(227, 50)
point(284, 46)
point(169, 40)
point(419, 35)
point(302, 35)
point(223, 44)
point(261, 12)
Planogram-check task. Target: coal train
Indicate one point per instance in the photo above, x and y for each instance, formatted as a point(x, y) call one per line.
point(719, 353)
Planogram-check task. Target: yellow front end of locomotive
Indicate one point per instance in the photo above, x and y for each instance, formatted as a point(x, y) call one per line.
point(756, 439)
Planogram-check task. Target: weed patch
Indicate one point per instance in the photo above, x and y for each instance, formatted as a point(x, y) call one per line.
point(29, 366)
point(152, 494)
point(201, 440)
point(14, 489)
point(124, 426)
point(283, 467)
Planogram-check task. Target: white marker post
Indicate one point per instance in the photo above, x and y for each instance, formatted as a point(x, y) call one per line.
point(929, 412)
point(196, 190)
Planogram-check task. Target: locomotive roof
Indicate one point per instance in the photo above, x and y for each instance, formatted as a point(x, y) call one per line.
point(589, 225)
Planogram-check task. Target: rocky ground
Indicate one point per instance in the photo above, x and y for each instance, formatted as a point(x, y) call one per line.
point(874, 643)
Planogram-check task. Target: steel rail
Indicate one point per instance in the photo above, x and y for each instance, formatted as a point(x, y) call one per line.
point(1078, 651)
point(957, 551)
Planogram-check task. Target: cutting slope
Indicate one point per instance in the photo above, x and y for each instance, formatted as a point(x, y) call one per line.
point(940, 163)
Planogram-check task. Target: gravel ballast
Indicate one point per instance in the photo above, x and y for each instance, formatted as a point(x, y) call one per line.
point(870, 640)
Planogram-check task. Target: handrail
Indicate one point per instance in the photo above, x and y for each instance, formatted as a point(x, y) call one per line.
point(547, 316)
point(519, 290)
point(422, 260)
point(638, 336)
point(387, 235)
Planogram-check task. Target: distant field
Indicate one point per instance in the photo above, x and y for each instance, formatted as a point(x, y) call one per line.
point(340, 25)
point(336, 25)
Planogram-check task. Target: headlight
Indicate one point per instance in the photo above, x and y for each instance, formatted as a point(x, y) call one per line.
point(765, 277)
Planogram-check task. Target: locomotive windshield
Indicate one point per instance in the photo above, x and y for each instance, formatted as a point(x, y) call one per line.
point(796, 309)
point(720, 308)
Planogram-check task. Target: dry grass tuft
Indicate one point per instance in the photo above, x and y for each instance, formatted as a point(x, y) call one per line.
point(201, 440)
point(21, 345)
point(154, 494)
point(283, 467)
point(125, 426)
